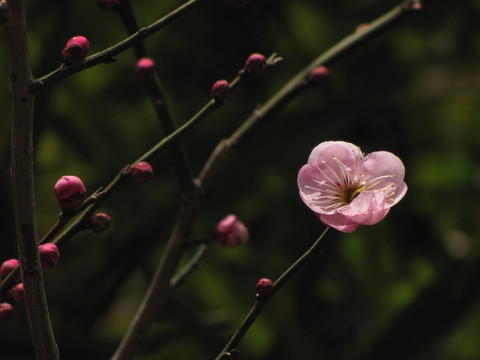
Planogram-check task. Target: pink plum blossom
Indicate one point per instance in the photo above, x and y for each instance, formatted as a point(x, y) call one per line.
point(347, 189)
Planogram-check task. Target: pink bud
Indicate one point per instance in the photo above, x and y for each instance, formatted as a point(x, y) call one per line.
point(17, 293)
point(108, 5)
point(416, 6)
point(100, 222)
point(220, 90)
point(231, 232)
point(70, 192)
point(145, 67)
point(49, 255)
point(7, 267)
point(141, 171)
point(318, 75)
point(256, 63)
point(6, 310)
point(264, 287)
point(76, 49)
point(238, 3)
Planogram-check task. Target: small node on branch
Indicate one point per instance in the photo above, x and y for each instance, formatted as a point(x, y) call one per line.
point(76, 49)
point(231, 232)
point(17, 293)
point(99, 222)
point(238, 3)
point(145, 67)
point(318, 75)
point(70, 192)
point(220, 90)
point(256, 64)
point(7, 267)
point(142, 171)
point(264, 287)
point(49, 255)
point(108, 5)
point(6, 310)
point(362, 27)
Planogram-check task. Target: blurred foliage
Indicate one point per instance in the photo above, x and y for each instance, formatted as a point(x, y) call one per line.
point(406, 288)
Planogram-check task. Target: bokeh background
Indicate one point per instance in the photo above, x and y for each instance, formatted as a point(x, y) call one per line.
point(406, 288)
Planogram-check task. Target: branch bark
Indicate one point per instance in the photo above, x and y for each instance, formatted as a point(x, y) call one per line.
point(14, 22)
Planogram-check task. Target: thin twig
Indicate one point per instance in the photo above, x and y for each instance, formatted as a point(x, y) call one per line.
point(182, 276)
point(156, 94)
point(261, 301)
point(22, 181)
point(107, 55)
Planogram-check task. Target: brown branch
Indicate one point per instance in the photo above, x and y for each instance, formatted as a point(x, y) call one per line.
point(22, 180)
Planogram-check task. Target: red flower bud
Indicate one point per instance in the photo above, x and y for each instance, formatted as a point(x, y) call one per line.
point(145, 67)
point(100, 222)
point(256, 63)
point(6, 310)
point(76, 49)
point(264, 287)
point(7, 267)
point(108, 5)
point(220, 90)
point(318, 75)
point(17, 293)
point(141, 171)
point(49, 255)
point(70, 192)
point(231, 232)
point(238, 3)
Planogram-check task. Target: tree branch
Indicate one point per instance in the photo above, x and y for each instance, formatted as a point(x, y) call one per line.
point(106, 56)
point(22, 181)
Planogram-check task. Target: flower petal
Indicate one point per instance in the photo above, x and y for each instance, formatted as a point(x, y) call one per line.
point(385, 171)
point(339, 222)
point(368, 208)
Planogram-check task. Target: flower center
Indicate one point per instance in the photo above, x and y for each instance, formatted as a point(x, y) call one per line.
point(350, 193)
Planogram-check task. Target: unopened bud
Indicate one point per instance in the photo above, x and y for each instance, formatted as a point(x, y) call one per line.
point(238, 3)
point(220, 90)
point(318, 75)
point(17, 293)
point(145, 67)
point(256, 63)
point(100, 222)
point(70, 192)
point(416, 6)
point(231, 232)
point(49, 255)
point(141, 171)
point(76, 49)
point(108, 5)
point(264, 287)
point(6, 310)
point(7, 267)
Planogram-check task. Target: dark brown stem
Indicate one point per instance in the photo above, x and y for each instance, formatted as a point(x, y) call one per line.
point(155, 92)
point(22, 181)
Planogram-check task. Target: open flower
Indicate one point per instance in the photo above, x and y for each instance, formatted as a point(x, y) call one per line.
point(347, 189)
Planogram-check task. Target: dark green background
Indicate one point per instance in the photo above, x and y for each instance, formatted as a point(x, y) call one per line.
point(406, 288)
